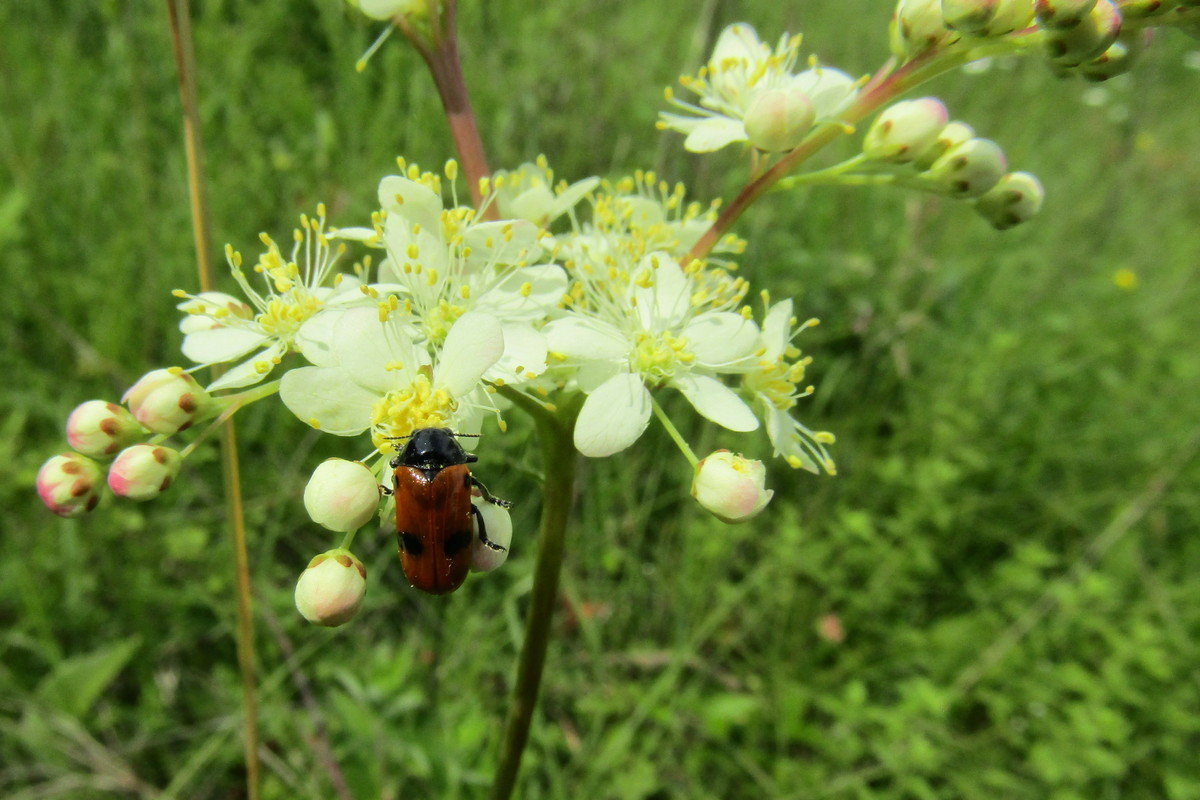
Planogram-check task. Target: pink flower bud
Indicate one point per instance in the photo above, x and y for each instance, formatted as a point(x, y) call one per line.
point(1062, 13)
point(918, 26)
point(69, 484)
point(497, 525)
point(168, 400)
point(906, 129)
point(99, 429)
point(952, 135)
point(341, 495)
point(330, 591)
point(1070, 47)
point(731, 486)
point(144, 471)
point(969, 16)
point(779, 119)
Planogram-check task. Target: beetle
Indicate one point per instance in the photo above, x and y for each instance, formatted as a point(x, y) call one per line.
point(436, 523)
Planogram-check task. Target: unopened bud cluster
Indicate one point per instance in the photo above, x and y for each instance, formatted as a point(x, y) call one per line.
point(1096, 39)
point(917, 137)
point(162, 402)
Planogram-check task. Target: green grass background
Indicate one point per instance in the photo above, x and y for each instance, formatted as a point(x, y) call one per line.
point(1010, 549)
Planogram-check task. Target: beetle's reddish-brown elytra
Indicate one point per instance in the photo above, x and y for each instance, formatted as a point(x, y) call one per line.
point(436, 525)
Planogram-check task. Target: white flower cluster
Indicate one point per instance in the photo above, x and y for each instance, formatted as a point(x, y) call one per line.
point(749, 91)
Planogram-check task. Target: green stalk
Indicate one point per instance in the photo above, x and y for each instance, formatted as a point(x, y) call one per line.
point(555, 436)
point(185, 62)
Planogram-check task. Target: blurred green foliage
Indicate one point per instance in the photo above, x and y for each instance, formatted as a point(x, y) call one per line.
point(996, 597)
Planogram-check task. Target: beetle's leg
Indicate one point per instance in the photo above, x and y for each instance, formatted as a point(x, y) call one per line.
point(496, 501)
point(483, 531)
point(385, 491)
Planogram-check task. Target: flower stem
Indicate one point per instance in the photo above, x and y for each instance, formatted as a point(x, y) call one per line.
point(185, 61)
point(558, 460)
point(687, 451)
point(441, 55)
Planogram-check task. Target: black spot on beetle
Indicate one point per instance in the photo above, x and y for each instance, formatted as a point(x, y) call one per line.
point(456, 542)
point(411, 544)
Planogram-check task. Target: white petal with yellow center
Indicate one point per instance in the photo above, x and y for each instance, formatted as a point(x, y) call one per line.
point(413, 201)
point(721, 338)
point(713, 134)
point(374, 352)
point(586, 338)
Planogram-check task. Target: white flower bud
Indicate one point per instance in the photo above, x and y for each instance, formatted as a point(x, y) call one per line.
point(952, 135)
point(731, 486)
point(341, 495)
point(968, 16)
point(1062, 13)
point(99, 429)
point(779, 119)
point(69, 484)
point(330, 591)
point(498, 526)
point(905, 129)
point(1015, 199)
point(1070, 47)
point(969, 169)
point(144, 471)
point(167, 400)
point(917, 26)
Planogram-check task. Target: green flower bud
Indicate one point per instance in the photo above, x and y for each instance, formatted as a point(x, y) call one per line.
point(731, 486)
point(387, 9)
point(69, 484)
point(952, 135)
point(1070, 47)
point(968, 16)
point(917, 26)
point(906, 129)
point(1063, 13)
point(341, 495)
point(1145, 9)
point(100, 429)
point(1116, 60)
point(1012, 15)
point(779, 119)
point(968, 169)
point(330, 591)
point(168, 400)
point(498, 525)
point(1015, 199)
point(144, 471)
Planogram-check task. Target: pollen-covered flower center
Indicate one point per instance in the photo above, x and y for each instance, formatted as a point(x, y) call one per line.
point(777, 380)
point(285, 314)
point(438, 320)
point(401, 412)
point(658, 356)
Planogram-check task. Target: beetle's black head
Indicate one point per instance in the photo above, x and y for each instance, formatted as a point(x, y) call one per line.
point(432, 449)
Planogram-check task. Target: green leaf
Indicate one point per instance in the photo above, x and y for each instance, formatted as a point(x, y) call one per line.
point(76, 683)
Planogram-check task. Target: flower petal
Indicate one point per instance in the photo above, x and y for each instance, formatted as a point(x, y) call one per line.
point(716, 401)
point(830, 90)
point(524, 355)
point(248, 372)
point(328, 399)
point(413, 201)
point(474, 343)
point(218, 345)
point(776, 327)
point(713, 134)
point(668, 300)
point(509, 301)
point(740, 42)
point(370, 350)
point(613, 416)
point(586, 338)
point(314, 339)
point(721, 339)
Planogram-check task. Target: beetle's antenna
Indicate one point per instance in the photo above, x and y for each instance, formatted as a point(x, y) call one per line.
point(469, 435)
point(397, 438)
